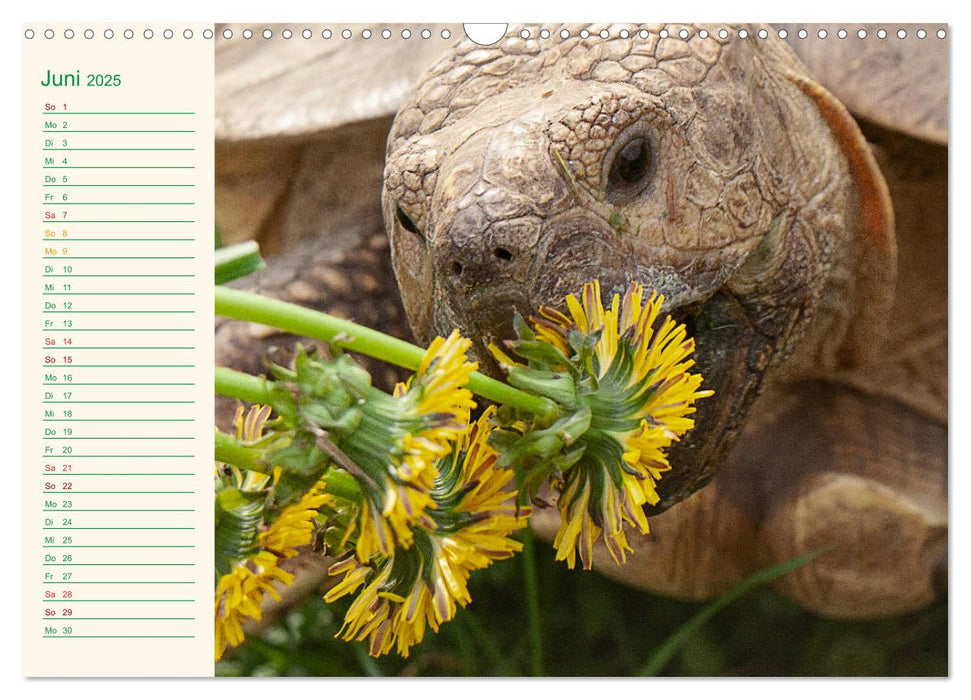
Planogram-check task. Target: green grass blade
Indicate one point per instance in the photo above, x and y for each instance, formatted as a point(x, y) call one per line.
point(664, 653)
point(531, 583)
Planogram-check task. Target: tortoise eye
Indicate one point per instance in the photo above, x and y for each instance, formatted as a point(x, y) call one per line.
point(632, 168)
point(406, 223)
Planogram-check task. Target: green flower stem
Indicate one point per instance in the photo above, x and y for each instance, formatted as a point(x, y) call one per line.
point(246, 306)
point(229, 450)
point(237, 260)
point(503, 394)
point(240, 385)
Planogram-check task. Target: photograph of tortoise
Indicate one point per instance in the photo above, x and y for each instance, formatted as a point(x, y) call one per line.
point(787, 196)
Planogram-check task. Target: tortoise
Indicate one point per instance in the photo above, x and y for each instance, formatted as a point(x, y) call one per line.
point(808, 261)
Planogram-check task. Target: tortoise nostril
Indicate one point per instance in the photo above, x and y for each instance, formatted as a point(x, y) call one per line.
point(456, 267)
point(502, 254)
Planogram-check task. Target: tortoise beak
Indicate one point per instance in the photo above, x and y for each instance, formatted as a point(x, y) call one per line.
point(732, 357)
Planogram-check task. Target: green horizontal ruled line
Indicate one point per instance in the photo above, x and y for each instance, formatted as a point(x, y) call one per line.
point(119, 149)
point(118, 636)
point(72, 617)
point(71, 491)
point(119, 546)
point(125, 185)
point(152, 402)
point(116, 240)
point(117, 257)
point(74, 474)
point(123, 583)
point(119, 167)
point(126, 347)
point(119, 564)
point(118, 131)
point(55, 113)
point(120, 311)
point(123, 221)
point(114, 311)
point(140, 437)
point(133, 204)
point(73, 383)
point(119, 528)
point(120, 456)
point(119, 294)
point(119, 420)
point(116, 600)
point(71, 366)
point(119, 510)
point(132, 275)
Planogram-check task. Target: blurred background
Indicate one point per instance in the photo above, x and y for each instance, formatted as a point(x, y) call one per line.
point(591, 626)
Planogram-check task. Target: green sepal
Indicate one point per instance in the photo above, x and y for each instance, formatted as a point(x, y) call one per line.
point(530, 481)
point(333, 536)
point(583, 343)
point(232, 497)
point(558, 386)
point(301, 455)
point(522, 329)
point(544, 444)
point(344, 423)
point(237, 516)
point(541, 353)
point(355, 378)
point(568, 458)
point(292, 486)
point(573, 426)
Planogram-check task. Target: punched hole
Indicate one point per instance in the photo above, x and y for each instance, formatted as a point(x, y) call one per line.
point(502, 254)
point(456, 267)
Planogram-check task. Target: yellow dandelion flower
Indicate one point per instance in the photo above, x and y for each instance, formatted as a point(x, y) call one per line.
point(249, 429)
point(399, 440)
point(631, 378)
point(294, 527)
point(442, 375)
point(421, 587)
point(239, 594)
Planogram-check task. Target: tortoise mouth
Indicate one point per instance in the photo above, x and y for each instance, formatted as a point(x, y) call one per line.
point(486, 317)
point(730, 354)
point(732, 357)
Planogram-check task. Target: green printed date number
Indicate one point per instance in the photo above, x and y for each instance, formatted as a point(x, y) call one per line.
point(104, 80)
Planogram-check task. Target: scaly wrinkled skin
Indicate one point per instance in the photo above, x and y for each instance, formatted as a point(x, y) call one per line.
point(762, 217)
point(745, 217)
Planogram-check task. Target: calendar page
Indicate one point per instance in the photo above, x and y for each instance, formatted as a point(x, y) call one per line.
point(441, 349)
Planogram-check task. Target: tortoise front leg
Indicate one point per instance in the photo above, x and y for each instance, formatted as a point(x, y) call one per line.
point(820, 467)
point(864, 479)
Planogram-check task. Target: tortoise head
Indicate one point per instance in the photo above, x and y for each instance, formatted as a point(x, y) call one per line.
point(710, 169)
